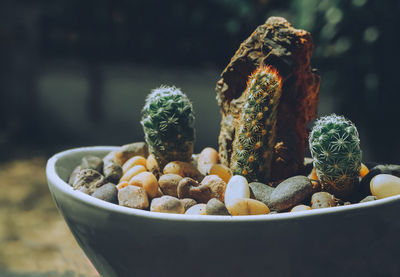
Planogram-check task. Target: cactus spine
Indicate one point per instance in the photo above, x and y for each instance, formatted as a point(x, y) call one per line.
point(168, 124)
point(255, 131)
point(335, 148)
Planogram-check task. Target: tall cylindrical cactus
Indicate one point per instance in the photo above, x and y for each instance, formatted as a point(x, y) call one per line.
point(255, 131)
point(335, 148)
point(168, 124)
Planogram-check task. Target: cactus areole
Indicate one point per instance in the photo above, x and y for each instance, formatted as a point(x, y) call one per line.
point(335, 148)
point(168, 124)
point(255, 132)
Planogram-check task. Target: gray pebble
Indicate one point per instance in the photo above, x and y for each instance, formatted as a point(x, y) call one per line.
point(112, 172)
point(369, 198)
point(261, 192)
point(290, 192)
point(216, 207)
point(88, 180)
point(127, 151)
point(92, 162)
point(107, 192)
point(73, 175)
point(322, 199)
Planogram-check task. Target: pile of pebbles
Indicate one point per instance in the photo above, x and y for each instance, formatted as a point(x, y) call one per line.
point(130, 177)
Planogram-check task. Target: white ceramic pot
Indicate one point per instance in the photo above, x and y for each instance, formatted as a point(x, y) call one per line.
point(355, 240)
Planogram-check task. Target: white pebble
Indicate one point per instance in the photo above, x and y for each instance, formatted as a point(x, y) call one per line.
point(237, 187)
point(385, 185)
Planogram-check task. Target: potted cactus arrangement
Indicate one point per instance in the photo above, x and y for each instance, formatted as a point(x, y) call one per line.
point(268, 93)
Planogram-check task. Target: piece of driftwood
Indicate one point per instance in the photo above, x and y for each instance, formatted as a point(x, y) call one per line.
point(289, 50)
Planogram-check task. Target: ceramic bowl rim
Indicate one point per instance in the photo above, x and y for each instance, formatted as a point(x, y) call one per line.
point(54, 180)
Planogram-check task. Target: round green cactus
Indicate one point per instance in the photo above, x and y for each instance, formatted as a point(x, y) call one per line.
point(255, 130)
point(168, 124)
point(335, 148)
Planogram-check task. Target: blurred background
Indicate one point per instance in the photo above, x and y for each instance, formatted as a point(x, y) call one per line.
point(76, 73)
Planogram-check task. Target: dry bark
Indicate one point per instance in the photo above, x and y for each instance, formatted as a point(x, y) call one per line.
point(289, 50)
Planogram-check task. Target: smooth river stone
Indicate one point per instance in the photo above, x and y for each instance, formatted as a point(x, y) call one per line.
point(385, 185)
point(290, 192)
point(261, 191)
point(237, 187)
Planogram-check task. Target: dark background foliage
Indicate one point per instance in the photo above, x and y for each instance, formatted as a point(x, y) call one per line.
point(76, 72)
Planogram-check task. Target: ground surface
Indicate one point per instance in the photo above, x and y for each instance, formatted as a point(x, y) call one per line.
point(34, 239)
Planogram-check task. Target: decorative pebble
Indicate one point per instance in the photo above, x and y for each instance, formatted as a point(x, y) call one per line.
point(314, 180)
point(112, 172)
point(88, 180)
point(222, 171)
point(261, 191)
point(129, 150)
point(369, 198)
point(136, 160)
point(147, 181)
point(207, 158)
point(167, 204)
point(300, 208)
point(73, 175)
point(364, 187)
point(246, 206)
point(322, 199)
point(188, 202)
point(107, 192)
point(132, 172)
point(216, 207)
point(198, 209)
point(169, 184)
point(133, 197)
point(122, 184)
point(92, 162)
point(364, 170)
point(183, 169)
point(190, 188)
point(110, 157)
point(237, 187)
point(385, 185)
point(290, 192)
point(152, 165)
point(217, 186)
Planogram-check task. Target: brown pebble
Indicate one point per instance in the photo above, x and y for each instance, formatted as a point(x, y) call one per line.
point(189, 188)
point(217, 186)
point(322, 200)
point(133, 197)
point(183, 169)
point(169, 184)
point(188, 202)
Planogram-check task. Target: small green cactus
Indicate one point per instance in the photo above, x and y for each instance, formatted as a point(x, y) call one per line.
point(255, 131)
point(335, 148)
point(168, 124)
